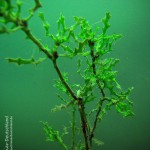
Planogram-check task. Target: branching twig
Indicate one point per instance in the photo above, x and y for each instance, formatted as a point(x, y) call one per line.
point(91, 45)
point(99, 45)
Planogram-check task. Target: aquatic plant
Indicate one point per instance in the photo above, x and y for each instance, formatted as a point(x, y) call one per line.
point(90, 49)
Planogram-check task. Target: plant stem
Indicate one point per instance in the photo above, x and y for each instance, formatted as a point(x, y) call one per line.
point(101, 90)
point(80, 101)
point(80, 105)
point(63, 81)
point(36, 42)
point(84, 122)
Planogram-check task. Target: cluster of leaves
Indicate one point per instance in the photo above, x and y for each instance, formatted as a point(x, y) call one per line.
point(21, 61)
point(99, 71)
point(96, 72)
point(53, 135)
point(11, 14)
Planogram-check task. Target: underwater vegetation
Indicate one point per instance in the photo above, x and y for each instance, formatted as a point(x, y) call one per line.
point(93, 66)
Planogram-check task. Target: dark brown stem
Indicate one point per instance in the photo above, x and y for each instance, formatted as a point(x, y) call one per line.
point(101, 90)
point(80, 105)
point(96, 119)
point(80, 101)
point(37, 5)
point(84, 122)
point(36, 42)
point(24, 27)
point(63, 81)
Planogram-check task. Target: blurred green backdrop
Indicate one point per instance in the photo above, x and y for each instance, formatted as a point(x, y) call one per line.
point(27, 92)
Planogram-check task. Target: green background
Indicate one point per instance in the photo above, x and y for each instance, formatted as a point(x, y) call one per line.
point(27, 92)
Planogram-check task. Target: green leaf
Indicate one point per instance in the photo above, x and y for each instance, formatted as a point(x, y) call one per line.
point(124, 109)
point(98, 142)
point(21, 61)
point(59, 85)
point(19, 4)
point(106, 22)
point(65, 131)
point(58, 108)
point(61, 25)
point(46, 25)
point(53, 135)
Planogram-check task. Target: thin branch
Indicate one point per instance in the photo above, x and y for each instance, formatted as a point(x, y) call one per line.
point(36, 42)
point(84, 122)
point(80, 104)
point(62, 80)
point(96, 119)
point(91, 45)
